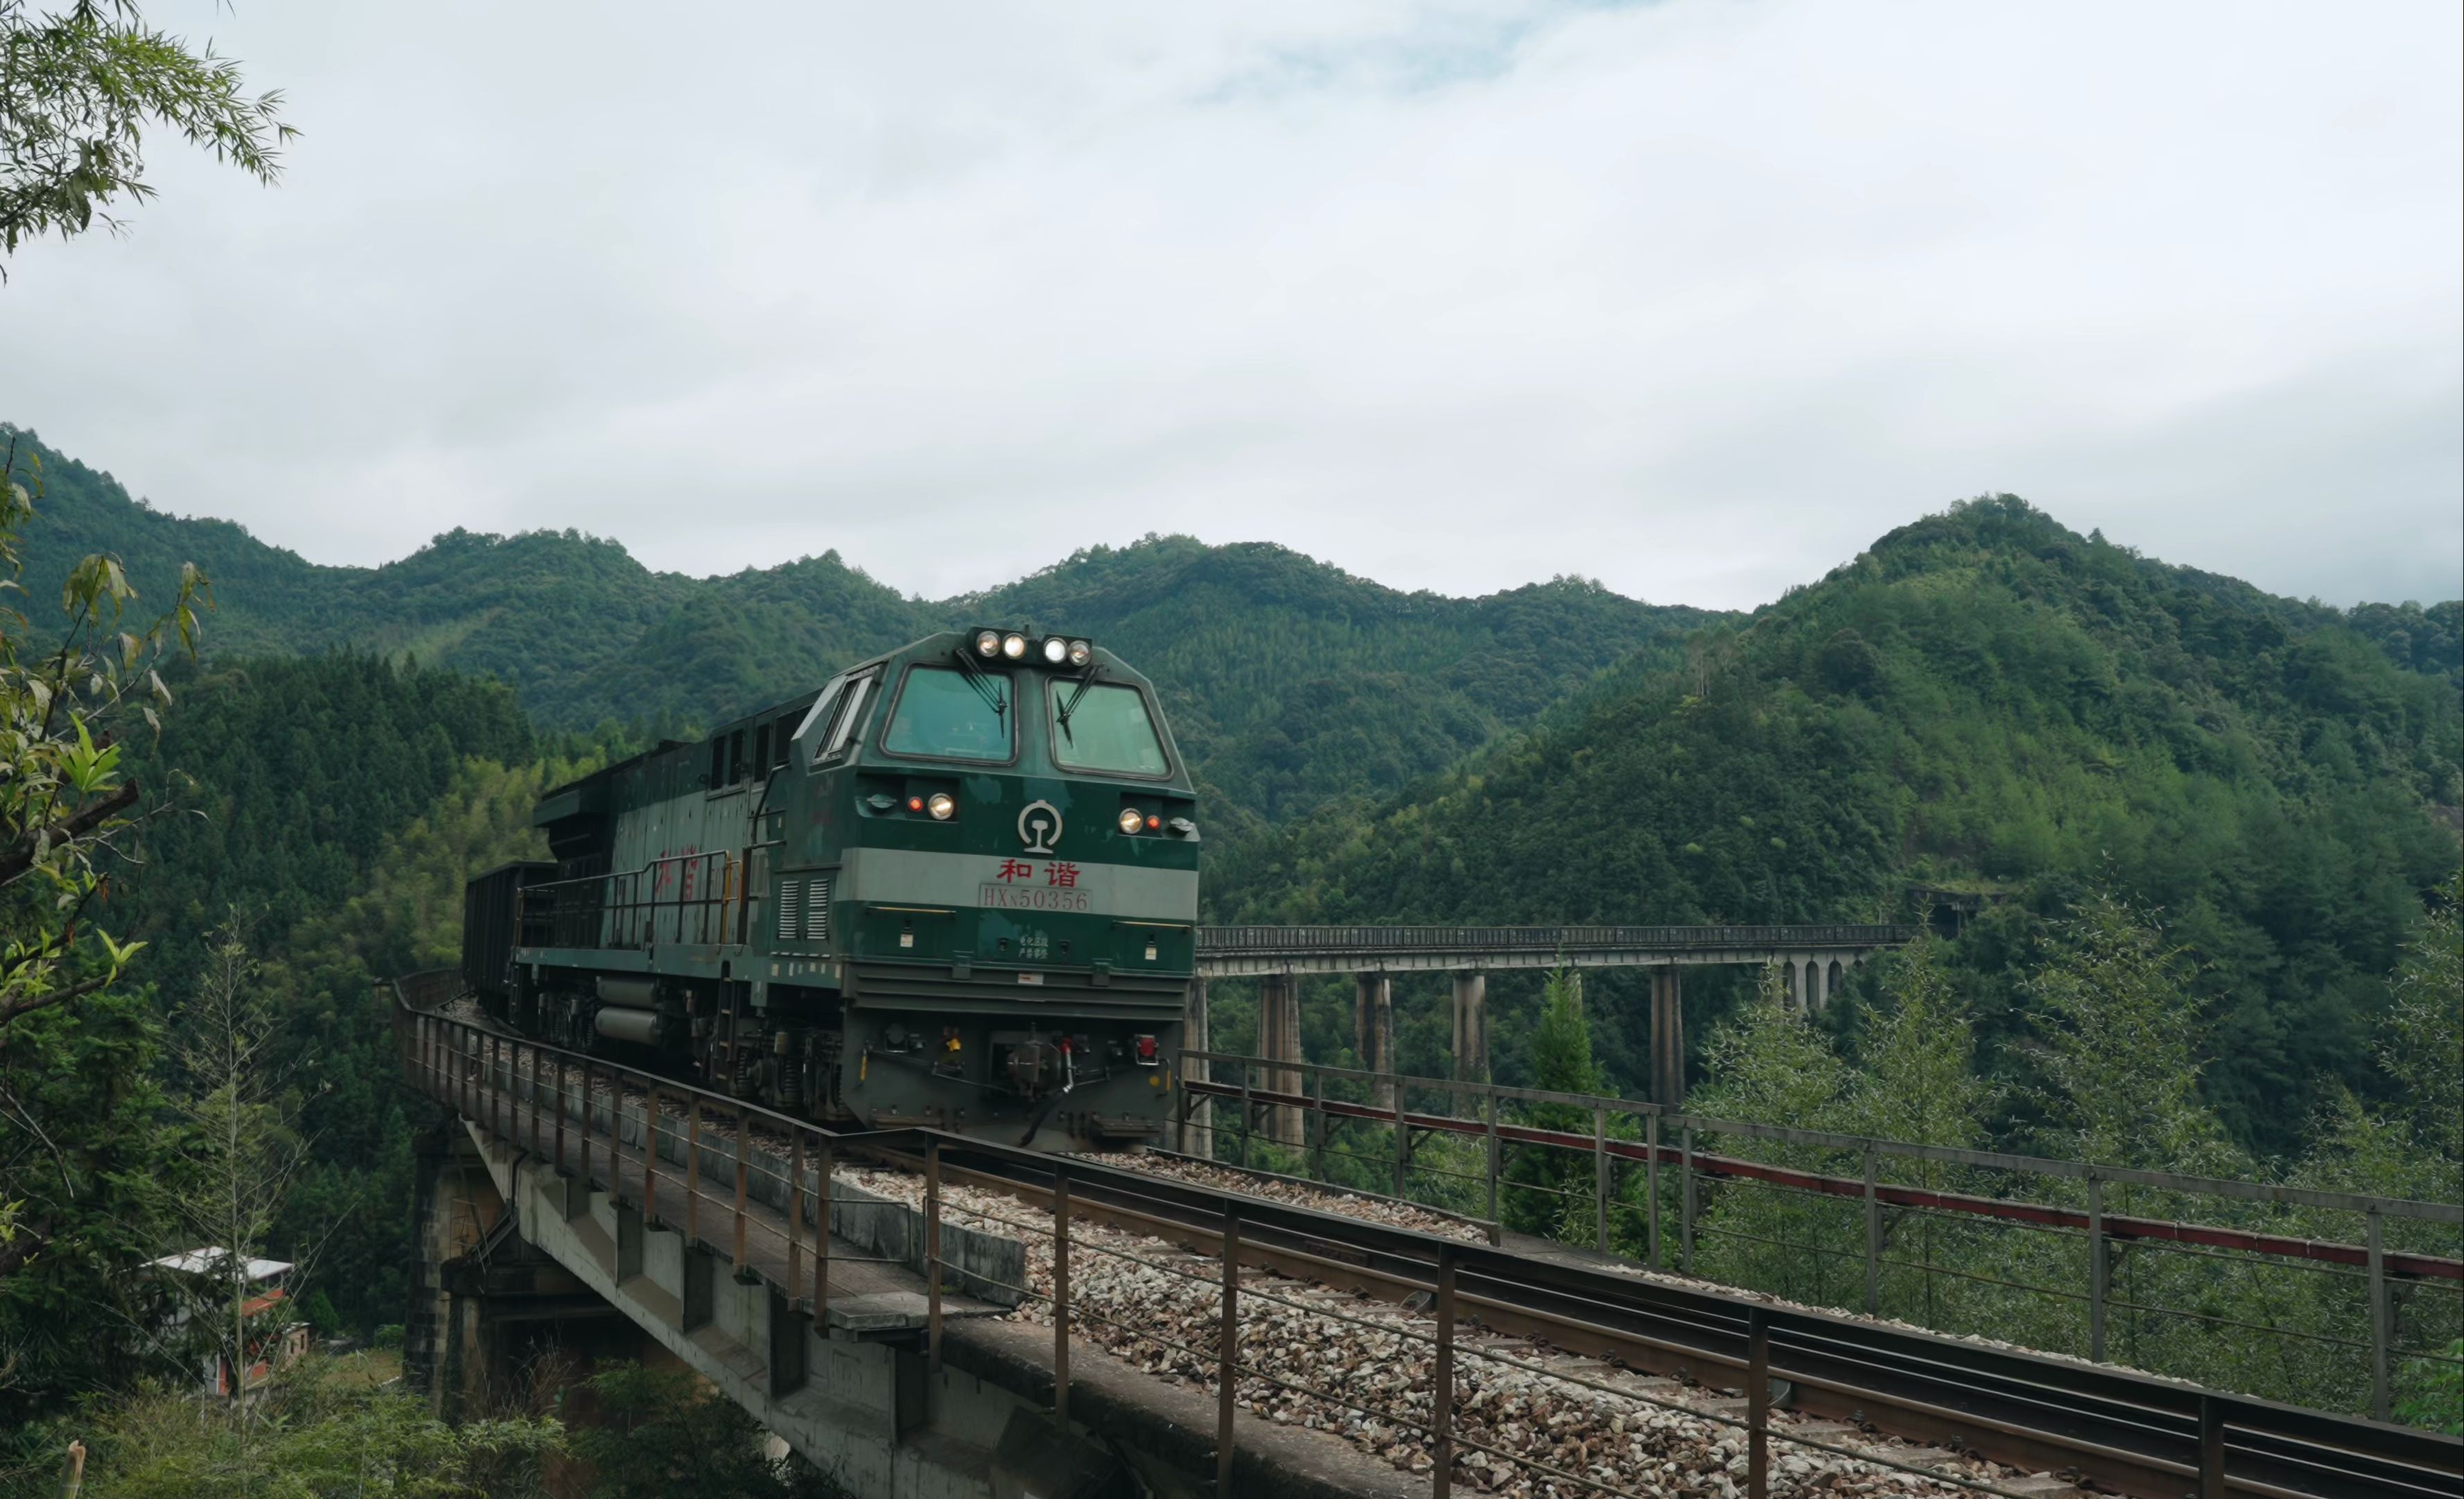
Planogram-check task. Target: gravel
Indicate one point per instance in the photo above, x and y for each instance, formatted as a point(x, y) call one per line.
point(1335, 1362)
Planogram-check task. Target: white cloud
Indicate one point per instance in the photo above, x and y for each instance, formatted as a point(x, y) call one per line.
point(1697, 298)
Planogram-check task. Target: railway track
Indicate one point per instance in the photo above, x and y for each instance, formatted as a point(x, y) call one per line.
point(2097, 1425)
point(2124, 1431)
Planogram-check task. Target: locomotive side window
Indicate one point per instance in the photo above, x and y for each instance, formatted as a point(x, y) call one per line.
point(1104, 727)
point(944, 714)
point(762, 750)
point(819, 717)
point(779, 739)
point(736, 755)
point(850, 713)
point(718, 762)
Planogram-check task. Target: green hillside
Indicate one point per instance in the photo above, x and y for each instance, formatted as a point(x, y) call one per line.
point(1985, 700)
point(1291, 683)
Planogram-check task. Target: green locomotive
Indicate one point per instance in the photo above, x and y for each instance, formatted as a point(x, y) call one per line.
point(956, 886)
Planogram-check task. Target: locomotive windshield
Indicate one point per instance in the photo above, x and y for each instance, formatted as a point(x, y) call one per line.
point(1109, 730)
point(948, 715)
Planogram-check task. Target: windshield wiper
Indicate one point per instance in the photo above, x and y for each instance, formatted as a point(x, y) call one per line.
point(982, 681)
point(1062, 715)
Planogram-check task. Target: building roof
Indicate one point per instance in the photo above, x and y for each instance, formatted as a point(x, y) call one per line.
point(203, 1262)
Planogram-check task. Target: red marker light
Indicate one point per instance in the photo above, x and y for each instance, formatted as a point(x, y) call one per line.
point(1154, 822)
point(1146, 1046)
point(915, 804)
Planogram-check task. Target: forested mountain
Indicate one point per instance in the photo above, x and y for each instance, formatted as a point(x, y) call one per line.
point(1983, 700)
point(1988, 701)
point(278, 797)
point(1291, 682)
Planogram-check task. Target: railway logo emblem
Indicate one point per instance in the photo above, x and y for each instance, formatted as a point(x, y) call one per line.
point(1038, 825)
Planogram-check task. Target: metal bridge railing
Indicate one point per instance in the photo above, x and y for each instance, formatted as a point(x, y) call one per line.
point(1901, 1224)
point(1313, 941)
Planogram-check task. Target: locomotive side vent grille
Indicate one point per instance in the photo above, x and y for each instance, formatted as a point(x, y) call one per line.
point(788, 910)
point(816, 910)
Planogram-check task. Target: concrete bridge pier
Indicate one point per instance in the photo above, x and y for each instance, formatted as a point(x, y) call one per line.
point(1373, 1028)
point(1811, 980)
point(1471, 1027)
point(495, 1324)
point(1668, 1037)
point(1279, 1040)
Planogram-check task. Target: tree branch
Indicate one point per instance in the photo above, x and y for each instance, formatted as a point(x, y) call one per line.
point(14, 866)
point(43, 1001)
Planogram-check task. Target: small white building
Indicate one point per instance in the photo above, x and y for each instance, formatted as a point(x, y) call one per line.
point(275, 1337)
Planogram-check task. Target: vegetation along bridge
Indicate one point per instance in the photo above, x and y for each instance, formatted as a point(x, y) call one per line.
point(862, 1317)
point(1815, 958)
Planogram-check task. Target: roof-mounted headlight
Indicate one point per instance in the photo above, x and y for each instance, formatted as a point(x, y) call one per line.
point(1056, 650)
point(1081, 652)
point(988, 643)
point(1014, 646)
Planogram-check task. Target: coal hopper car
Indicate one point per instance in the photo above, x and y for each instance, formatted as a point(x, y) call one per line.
point(956, 886)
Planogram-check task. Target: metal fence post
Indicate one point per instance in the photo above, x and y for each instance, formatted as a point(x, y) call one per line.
point(1318, 1142)
point(1651, 1186)
point(2098, 1269)
point(1757, 1404)
point(1685, 1203)
point(1495, 1148)
point(585, 1133)
point(744, 1164)
point(1402, 1142)
point(560, 1110)
point(2380, 1403)
point(649, 1147)
point(1180, 1106)
point(822, 1194)
point(1228, 1353)
point(1441, 1412)
point(932, 1255)
point(1601, 1175)
point(1060, 1296)
point(1873, 1238)
point(693, 1170)
point(493, 1055)
point(2211, 1448)
point(794, 1211)
point(1247, 1109)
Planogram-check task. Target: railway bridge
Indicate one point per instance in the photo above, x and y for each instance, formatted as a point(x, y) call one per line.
point(916, 1312)
point(1814, 957)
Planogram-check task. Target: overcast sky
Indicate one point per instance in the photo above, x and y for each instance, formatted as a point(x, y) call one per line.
point(1694, 297)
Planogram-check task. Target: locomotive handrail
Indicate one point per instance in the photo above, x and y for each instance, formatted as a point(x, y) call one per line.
point(617, 892)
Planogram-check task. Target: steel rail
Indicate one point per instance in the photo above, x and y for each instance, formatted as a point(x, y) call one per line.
point(2123, 1430)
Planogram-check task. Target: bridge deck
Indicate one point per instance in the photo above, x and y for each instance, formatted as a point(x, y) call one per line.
point(868, 1293)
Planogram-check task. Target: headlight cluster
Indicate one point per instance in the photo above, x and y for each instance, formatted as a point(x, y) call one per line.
point(1134, 821)
point(1055, 649)
point(941, 804)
